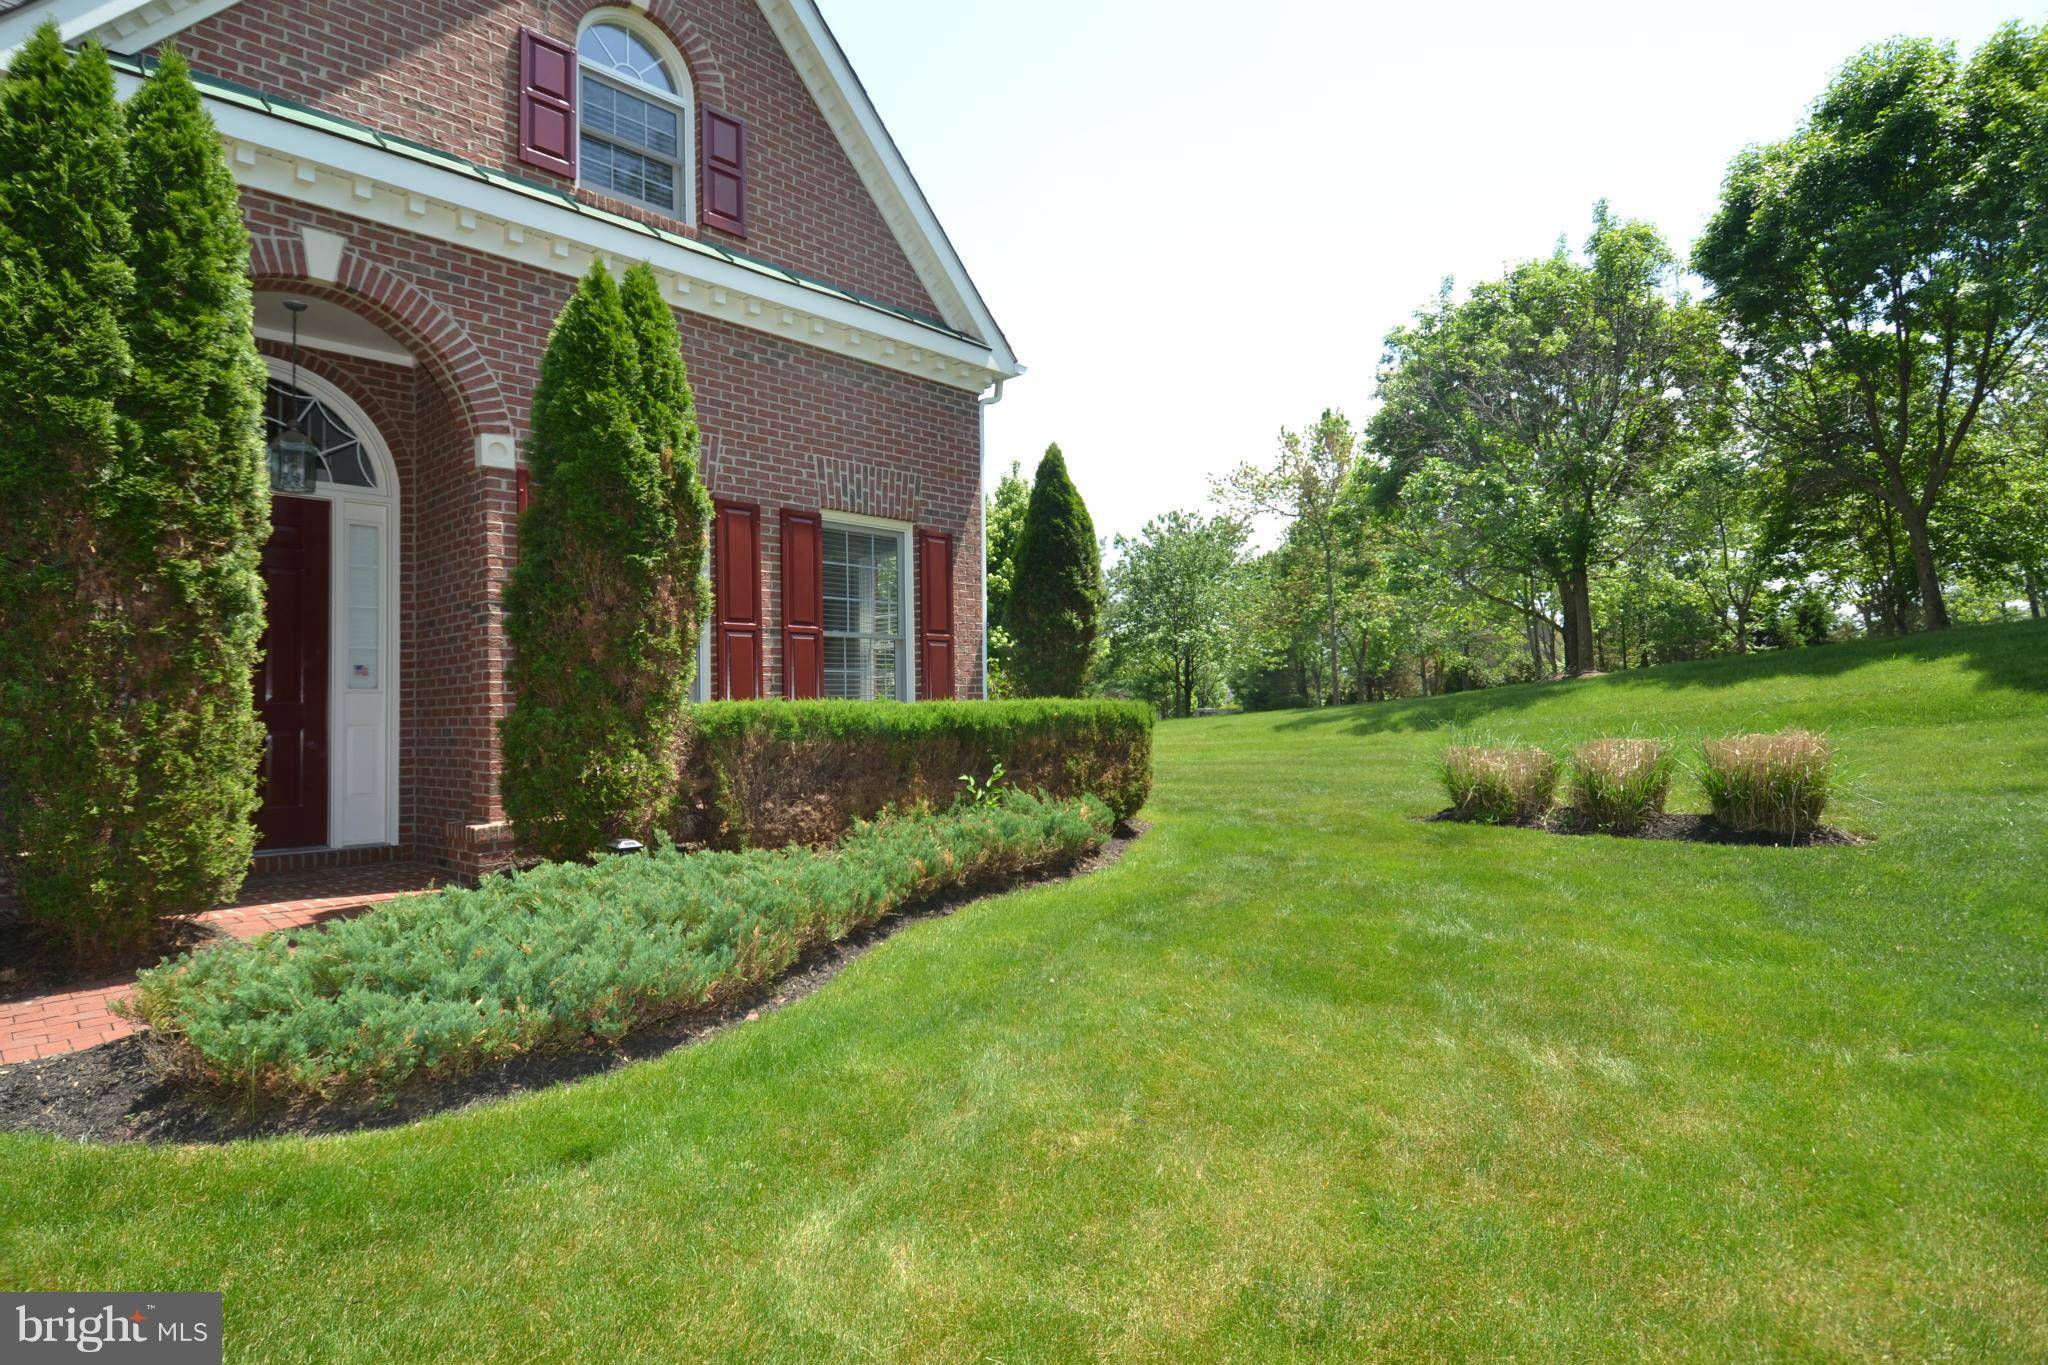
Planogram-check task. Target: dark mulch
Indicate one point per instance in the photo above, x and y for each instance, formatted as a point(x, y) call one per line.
point(1690, 829)
point(113, 1093)
point(30, 965)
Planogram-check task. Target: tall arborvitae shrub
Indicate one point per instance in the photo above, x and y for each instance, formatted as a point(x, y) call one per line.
point(668, 423)
point(601, 649)
point(67, 777)
point(192, 509)
point(1055, 587)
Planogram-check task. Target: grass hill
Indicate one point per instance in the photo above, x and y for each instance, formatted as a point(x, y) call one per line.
point(1301, 1076)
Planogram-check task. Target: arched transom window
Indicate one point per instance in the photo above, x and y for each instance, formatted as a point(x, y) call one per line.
point(635, 117)
point(339, 457)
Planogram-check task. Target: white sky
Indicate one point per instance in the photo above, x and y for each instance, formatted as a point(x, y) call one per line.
point(1197, 221)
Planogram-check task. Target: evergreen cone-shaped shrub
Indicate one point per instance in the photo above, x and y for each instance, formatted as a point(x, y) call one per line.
point(601, 649)
point(668, 423)
point(67, 776)
point(1055, 587)
point(192, 510)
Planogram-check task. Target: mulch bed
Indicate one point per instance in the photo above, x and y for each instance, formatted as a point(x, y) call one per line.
point(32, 966)
point(1690, 829)
point(112, 1093)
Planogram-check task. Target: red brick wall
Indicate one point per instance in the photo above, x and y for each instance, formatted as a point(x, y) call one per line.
point(444, 72)
point(784, 425)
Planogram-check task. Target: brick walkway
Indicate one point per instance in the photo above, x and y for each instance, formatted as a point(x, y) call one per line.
point(46, 1025)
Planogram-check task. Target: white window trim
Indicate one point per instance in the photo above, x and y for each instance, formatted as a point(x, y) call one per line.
point(906, 586)
point(683, 99)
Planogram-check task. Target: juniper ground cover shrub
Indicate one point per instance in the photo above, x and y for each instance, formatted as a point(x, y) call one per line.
point(1770, 783)
point(442, 983)
point(1619, 785)
point(767, 773)
point(1508, 785)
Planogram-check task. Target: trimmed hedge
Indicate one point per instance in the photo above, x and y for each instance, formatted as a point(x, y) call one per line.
point(769, 773)
point(439, 984)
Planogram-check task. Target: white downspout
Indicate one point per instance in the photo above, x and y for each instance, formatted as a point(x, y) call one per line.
point(981, 407)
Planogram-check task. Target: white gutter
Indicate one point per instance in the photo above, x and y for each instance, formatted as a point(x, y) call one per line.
point(981, 407)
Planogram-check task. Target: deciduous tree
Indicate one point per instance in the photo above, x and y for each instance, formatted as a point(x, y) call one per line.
point(1172, 593)
point(1306, 484)
point(1003, 509)
point(1886, 270)
point(1535, 414)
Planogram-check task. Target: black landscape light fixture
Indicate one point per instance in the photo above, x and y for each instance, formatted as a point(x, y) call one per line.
point(293, 456)
point(626, 846)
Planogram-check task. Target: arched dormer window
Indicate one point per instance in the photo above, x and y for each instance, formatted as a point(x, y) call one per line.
point(635, 114)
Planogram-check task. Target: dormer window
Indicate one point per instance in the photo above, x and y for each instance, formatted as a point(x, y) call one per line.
point(634, 120)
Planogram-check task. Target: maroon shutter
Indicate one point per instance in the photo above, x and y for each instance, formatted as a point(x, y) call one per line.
point(934, 615)
point(725, 173)
point(547, 102)
point(522, 488)
point(803, 605)
point(736, 566)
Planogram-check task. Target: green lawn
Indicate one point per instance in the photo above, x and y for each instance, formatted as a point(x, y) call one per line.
point(1301, 1076)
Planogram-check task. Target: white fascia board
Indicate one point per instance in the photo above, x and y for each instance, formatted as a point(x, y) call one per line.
point(120, 25)
point(845, 103)
point(383, 187)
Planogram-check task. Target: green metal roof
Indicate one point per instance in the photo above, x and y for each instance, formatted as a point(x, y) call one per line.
point(334, 125)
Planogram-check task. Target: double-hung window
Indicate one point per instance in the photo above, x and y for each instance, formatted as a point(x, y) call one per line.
point(867, 612)
point(635, 130)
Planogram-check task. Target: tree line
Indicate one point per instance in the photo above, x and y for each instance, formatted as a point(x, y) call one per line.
point(1828, 421)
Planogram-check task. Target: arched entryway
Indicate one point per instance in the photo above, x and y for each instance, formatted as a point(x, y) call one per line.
point(327, 688)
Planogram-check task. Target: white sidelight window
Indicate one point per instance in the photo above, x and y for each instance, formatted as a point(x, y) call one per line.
point(365, 605)
point(867, 612)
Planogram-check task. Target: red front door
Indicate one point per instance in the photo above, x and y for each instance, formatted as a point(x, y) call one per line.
point(291, 678)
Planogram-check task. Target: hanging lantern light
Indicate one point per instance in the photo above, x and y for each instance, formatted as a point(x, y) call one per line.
point(294, 459)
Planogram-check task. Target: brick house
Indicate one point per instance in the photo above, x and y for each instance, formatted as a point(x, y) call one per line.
point(429, 178)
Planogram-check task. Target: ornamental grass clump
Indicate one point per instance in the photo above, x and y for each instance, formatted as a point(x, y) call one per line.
point(1513, 785)
point(568, 953)
point(1772, 784)
point(1619, 785)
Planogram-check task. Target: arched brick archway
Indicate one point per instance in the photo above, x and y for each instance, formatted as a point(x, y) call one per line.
point(394, 303)
point(457, 516)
